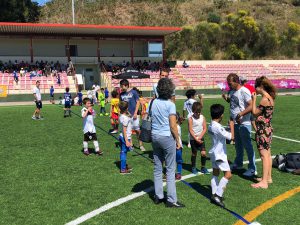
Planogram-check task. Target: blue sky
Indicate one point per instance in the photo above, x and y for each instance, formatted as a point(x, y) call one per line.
point(41, 2)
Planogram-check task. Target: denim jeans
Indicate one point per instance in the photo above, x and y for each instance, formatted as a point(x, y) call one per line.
point(242, 138)
point(164, 150)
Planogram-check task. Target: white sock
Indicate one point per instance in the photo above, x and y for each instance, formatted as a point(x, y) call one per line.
point(96, 144)
point(85, 146)
point(221, 186)
point(214, 184)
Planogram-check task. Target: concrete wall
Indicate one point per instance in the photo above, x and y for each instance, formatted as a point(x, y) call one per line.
point(14, 47)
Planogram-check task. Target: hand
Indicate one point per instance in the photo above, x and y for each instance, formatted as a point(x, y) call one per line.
point(199, 141)
point(253, 96)
point(135, 116)
point(178, 145)
point(238, 118)
point(128, 144)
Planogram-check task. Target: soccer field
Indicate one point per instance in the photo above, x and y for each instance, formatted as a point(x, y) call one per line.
point(46, 179)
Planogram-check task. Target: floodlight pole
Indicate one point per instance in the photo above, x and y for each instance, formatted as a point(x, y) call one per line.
point(73, 11)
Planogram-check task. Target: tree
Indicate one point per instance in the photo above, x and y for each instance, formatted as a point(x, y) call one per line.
point(289, 40)
point(19, 11)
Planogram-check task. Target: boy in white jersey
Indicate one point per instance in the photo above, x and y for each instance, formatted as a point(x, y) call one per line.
point(218, 154)
point(197, 129)
point(187, 106)
point(125, 136)
point(89, 129)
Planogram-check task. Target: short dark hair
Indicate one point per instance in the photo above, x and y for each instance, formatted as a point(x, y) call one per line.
point(124, 82)
point(196, 107)
point(102, 89)
point(234, 77)
point(85, 100)
point(165, 88)
point(216, 111)
point(37, 81)
point(164, 69)
point(190, 93)
point(114, 93)
point(67, 89)
point(123, 106)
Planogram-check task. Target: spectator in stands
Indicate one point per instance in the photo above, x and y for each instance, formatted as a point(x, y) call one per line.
point(38, 102)
point(16, 77)
point(165, 140)
point(32, 74)
point(52, 95)
point(240, 111)
point(184, 64)
point(58, 80)
point(22, 72)
point(70, 69)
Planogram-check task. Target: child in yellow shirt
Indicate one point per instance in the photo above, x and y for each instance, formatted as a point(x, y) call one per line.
point(114, 112)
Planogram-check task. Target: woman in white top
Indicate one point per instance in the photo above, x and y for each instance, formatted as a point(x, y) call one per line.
point(197, 129)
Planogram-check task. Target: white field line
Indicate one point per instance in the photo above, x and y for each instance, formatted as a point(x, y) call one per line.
point(282, 138)
point(128, 198)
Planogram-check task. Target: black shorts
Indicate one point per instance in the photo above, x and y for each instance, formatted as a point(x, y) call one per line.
point(68, 105)
point(39, 104)
point(196, 146)
point(90, 137)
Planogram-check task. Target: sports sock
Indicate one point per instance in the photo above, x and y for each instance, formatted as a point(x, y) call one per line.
point(85, 146)
point(221, 186)
point(214, 184)
point(203, 161)
point(96, 144)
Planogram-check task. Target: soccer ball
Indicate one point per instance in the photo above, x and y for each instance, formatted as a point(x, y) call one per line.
point(255, 223)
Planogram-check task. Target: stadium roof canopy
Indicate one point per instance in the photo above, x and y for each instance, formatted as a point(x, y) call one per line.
point(35, 29)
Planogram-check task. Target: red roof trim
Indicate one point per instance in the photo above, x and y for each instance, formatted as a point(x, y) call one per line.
point(90, 26)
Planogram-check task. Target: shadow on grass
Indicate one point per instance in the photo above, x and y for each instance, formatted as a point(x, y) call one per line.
point(204, 190)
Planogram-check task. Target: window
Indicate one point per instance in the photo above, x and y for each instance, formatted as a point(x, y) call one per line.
point(154, 49)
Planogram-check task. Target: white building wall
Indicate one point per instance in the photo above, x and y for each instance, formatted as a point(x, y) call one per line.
point(85, 47)
point(14, 47)
point(49, 48)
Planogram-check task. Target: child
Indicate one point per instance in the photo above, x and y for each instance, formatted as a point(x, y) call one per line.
point(197, 129)
point(102, 103)
point(79, 95)
point(190, 94)
point(125, 136)
point(52, 95)
point(114, 112)
point(218, 154)
point(179, 160)
point(89, 129)
point(68, 103)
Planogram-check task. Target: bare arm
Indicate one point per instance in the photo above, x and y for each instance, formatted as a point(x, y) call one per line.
point(174, 130)
point(192, 133)
point(204, 129)
point(136, 109)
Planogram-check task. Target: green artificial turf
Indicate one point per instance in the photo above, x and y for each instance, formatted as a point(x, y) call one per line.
point(45, 178)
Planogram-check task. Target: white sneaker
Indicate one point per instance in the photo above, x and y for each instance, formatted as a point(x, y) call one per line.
point(142, 148)
point(250, 173)
point(34, 118)
point(189, 145)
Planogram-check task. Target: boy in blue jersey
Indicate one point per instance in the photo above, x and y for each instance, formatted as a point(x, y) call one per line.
point(52, 95)
point(68, 103)
point(79, 95)
point(132, 97)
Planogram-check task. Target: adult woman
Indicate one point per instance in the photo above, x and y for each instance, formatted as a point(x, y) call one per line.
point(264, 131)
point(165, 139)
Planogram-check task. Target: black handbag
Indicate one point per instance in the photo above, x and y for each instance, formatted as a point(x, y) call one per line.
point(146, 128)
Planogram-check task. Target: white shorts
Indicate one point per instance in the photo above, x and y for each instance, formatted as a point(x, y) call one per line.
point(221, 165)
point(136, 123)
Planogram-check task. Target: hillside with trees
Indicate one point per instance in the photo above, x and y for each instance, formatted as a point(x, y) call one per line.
point(212, 29)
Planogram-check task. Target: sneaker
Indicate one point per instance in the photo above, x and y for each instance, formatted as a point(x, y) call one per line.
point(164, 177)
point(110, 130)
point(101, 114)
point(189, 145)
point(194, 171)
point(204, 171)
point(142, 148)
point(217, 200)
point(106, 114)
point(34, 118)
point(124, 172)
point(157, 200)
point(41, 118)
point(174, 205)
point(250, 173)
point(178, 176)
point(99, 153)
point(235, 167)
point(114, 132)
point(129, 168)
point(87, 153)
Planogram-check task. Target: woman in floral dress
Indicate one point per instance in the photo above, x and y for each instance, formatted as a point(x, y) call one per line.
point(264, 113)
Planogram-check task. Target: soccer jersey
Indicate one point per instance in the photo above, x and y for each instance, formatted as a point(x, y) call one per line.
point(132, 98)
point(37, 92)
point(88, 121)
point(218, 135)
point(115, 105)
point(52, 91)
point(68, 98)
point(197, 126)
point(126, 121)
point(188, 106)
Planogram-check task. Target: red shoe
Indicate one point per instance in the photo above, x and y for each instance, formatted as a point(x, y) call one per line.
point(178, 176)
